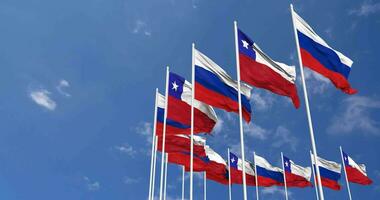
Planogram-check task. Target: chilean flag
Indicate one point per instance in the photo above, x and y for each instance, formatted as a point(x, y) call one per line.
point(216, 168)
point(172, 127)
point(236, 171)
point(329, 171)
point(179, 106)
point(296, 176)
point(215, 87)
point(183, 158)
point(355, 173)
point(317, 55)
point(267, 175)
point(181, 143)
point(259, 70)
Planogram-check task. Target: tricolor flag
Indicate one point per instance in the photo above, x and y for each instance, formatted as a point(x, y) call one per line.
point(215, 87)
point(317, 55)
point(259, 70)
point(355, 173)
point(179, 106)
point(181, 143)
point(296, 176)
point(329, 171)
point(236, 171)
point(267, 175)
point(216, 168)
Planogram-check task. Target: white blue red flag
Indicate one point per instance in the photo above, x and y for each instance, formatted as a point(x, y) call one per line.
point(268, 175)
point(236, 171)
point(215, 87)
point(355, 173)
point(317, 55)
point(216, 168)
point(330, 172)
point(179, 106)
point(296, 176)
point(259, 70)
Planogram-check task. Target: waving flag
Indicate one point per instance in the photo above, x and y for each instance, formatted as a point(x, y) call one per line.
point(183, 158)
point(172, 126)
point(216, 168)
point(179, 106)
point(317, 55)
point(329, 171)
point(259, 70)
point(296, 176)
point(355, 173)
point(236, 170)
point(181, 143)
point(216, 88)
point(267, 175)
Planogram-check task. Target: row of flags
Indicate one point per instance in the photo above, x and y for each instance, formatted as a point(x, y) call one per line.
point(214, 87)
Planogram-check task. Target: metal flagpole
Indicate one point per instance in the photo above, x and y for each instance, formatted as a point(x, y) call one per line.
point(204, 186)
point(183, 182)
point(314, 148)
point(283, 171)
point(315, 179)
point(240, 110)
point(192, 121)
point(154, 165)
point(256, 178)
point(153, 146)
point(164, 132)
point(229, 175)
point(166, 174)
point(345, 173)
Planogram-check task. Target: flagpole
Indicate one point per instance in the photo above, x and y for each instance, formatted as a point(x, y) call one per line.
point(283, 171)
point(183, 182)
point(164, 132)
point(154, 165)
point(153, 146)
point(240, 110)
point(256, 178)
point(229, 174)
point(166, 174)
point(192, 121)
point(204, 186)
point(345, 173)
point(314, 148)
point(315, 179)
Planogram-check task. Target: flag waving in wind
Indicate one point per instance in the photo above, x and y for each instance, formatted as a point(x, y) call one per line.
point(296, 176)
point(267, 175)
point(355, 173)
point(330, 172)
point(317, 55)
point(236, 171)
point(216, 88)
point(259, 70)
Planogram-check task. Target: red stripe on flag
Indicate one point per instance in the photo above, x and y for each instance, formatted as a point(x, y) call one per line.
point(355, 176)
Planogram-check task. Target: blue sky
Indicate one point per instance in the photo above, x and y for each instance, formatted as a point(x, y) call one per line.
point(77, 88)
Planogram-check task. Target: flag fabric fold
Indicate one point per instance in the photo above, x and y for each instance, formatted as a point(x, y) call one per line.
point(317, 55)
point(236, 171)
point(356, 173)
point(181, 143)
point(259, 70)
point(268, 175)
point(330, 172)
point(296, 176)
point(216, 169)
point(215, 87)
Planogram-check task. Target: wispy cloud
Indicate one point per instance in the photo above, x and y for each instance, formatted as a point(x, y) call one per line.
point(61, 86)
point(145, 129)
point(42, 98)
point(274, 190)
point(262, 100)
point(130, 180)
point(256, 131)
point(283, 137)
point(140, 27)
point(365, 9)
point(126, 149)
point(316, 83)
point(91, 185)
point(356, 115)
point(218, 126)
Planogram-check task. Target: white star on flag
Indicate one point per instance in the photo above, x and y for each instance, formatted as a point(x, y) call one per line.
point(245, 44)
point(286, 164)
point(175, 86)
point(232, 160)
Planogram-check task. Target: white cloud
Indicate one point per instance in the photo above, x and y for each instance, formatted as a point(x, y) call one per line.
point(261, 100)
point(256, 131)
point(145, 129)
point(365, 9)
point(41, 97)
point(60, 87)
point(130, 180)
point(315, 82)
point(283, 137)
point(141, 27)
point(91, 185)
point(126, 149)
point(356, 115)
point(218, 126)
point(274, 190)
